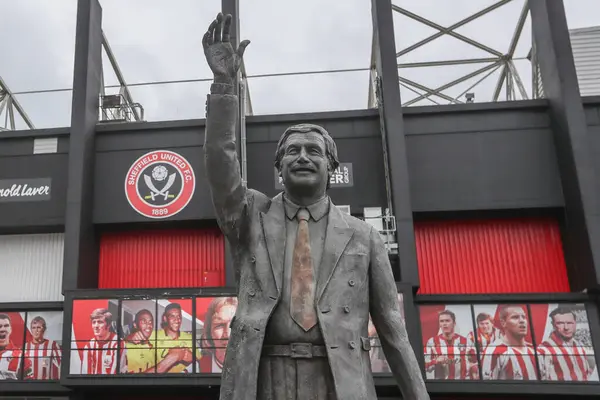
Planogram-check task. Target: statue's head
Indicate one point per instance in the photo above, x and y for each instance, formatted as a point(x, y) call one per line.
point(306, 157)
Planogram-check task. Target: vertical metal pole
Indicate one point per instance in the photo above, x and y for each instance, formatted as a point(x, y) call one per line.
point(573, 145)
point(80, 265)
point(243, 102)
point(392, 119)
point(232, 7)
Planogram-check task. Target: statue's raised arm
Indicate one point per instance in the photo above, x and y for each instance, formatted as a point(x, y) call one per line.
point(223, 59)
point(222, 166)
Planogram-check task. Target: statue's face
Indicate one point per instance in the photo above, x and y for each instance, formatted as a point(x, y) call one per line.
point(304, 165)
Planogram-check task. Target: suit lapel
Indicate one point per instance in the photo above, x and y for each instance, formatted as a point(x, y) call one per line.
point(273, 225)
point(337, 237)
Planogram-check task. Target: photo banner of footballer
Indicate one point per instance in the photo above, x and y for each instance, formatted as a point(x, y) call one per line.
point(155, 337)
point(214, 315)
point(12, 335)
point(30, 345)
point(445, 330)
point(43, 344)
point(94, 341)
point(138, 334)
point(564, 343)
point(174, 340)
point(504, 342)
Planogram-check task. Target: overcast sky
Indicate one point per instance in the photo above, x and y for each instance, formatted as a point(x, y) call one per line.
point(157, 41)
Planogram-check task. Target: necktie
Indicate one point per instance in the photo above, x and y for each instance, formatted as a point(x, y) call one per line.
point(302, 304)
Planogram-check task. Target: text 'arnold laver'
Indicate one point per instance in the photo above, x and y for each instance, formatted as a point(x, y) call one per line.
point(25, 191)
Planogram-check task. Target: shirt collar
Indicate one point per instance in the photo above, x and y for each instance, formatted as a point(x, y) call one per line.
point(443, 337)
point(558, 340)
point(317, 210)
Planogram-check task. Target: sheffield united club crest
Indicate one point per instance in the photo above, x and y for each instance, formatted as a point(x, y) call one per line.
point(159, 184)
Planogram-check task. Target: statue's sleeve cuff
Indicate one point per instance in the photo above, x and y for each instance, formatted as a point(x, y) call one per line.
point(221, 88)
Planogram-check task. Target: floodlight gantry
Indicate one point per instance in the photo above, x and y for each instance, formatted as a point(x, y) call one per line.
point(509, 77)
point(8, 105)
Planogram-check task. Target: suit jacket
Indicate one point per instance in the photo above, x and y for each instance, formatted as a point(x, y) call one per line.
point(354, 279)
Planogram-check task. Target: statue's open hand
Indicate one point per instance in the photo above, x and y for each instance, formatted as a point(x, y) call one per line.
point(222, 59)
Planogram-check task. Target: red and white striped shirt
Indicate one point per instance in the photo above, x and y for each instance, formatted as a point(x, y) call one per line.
point(483, 339)
point(45, 358)
point(503, 362)
point(100, 357)
point(10, 364)
point(563, 360)
point(455, 349)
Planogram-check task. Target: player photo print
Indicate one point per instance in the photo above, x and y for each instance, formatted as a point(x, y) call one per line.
point(43, 344)
point(174, 340)
point(379, 363)
point(448, 354)
point(138, 335)
point(504, 342)
point(94, 340)
point(563, 343)
point(12, 335)
point(214, 316)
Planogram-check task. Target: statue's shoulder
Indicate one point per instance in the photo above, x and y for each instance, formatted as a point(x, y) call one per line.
point(357, 224)
point(259, 200)
point(363, 226)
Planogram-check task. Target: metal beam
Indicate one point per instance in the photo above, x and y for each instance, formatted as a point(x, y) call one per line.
point(449, 30)
point(394, 144)
point(15, 103)
point(447, 62)
point(424, 88)
point(512, 48)
point(80, 270)
point(372, 99)
point(572, 142)
point(457, 81)
point(120, 78)
point(248, 101)
point(418, 93)
point(477, 83)
point(500, 82)
point(232, 7)
point(518, 81)
point(519, 29)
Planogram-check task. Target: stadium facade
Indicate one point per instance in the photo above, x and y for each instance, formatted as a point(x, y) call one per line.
point(117, 282)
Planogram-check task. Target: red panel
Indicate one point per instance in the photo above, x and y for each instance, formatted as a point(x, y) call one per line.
point(159, 259)
point(493, 256)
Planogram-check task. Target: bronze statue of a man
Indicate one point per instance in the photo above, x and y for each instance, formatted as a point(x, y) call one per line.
point(309, 275)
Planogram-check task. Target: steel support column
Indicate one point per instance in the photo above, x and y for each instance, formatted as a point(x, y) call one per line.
point(233, 7)
point(391, 118)
point(576, 167)
point(81, 247)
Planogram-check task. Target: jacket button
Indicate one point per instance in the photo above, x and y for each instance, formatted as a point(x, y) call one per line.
point(351, 282)
point(251, 292)
point(352, 345)
point(253, 259)
point(346, 309)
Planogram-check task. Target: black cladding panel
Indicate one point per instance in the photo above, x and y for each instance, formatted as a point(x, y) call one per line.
point(592, 113)
point(18, 163)
point(118, 150)
point(474, 157)
point(495, 158)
